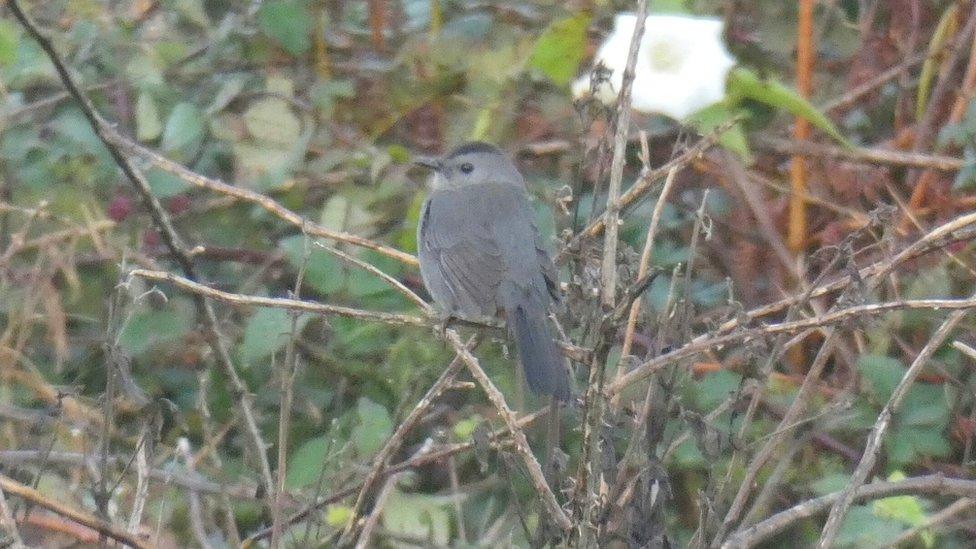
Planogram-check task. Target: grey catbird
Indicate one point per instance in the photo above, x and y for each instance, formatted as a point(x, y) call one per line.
point(480, 253)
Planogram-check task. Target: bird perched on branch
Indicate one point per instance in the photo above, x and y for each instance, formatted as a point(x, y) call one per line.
point(481, 255)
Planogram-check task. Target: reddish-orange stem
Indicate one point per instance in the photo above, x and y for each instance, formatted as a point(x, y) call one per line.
point(797, 233)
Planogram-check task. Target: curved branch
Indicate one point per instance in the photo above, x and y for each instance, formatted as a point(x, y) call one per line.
point(14, 488)
point(929, 484)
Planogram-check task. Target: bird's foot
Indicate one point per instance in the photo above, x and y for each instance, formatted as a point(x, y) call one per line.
point(445, 321)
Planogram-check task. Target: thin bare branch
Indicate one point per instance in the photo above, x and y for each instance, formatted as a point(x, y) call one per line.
point(13, 488)
point(267, 203)
point(169, 236)
point(646, 182)
point(396, 439)
point(621, 127)
point(499, 439)
point(521, 445)
point(644, 267)
point(931, 484)
point(864, 155)
point(388, 486)
point(8, 524)
point(934, 239)
point(880, 429)
point(943, 516)
point(188, 480)
point(281, 303)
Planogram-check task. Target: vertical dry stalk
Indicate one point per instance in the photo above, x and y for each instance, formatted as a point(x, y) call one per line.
point(797, 235)
point(621, 128)
point(593, 401)
point(644, 267)
point(288, 373)
point(142, 479)
point(197, 525)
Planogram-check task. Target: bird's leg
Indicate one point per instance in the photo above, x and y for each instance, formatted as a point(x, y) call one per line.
point(446, 320)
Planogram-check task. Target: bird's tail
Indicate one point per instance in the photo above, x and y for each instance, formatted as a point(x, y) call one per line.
point(540, 356)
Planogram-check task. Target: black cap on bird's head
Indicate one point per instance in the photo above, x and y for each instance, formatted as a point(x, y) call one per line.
point(470, 164)
point(474, 147)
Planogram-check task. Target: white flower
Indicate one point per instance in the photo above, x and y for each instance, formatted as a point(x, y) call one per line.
point(681, 66)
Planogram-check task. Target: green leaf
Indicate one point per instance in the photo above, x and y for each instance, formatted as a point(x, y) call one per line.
point(733, 139)
point(322, 270)
point(862, 528)
point(165, 184)
point(148, 124)
point(229, 90)
point(882, 374)
point(417, 516)
point(715, 387)
point(407, 240)
point(272, 120)
point(744, 83)
point(688, 456)
point(667, 6)
point(261, 166)
point(287, 22)
point(832, 482)
point(147, 329)
point(560, 48)
point(944, 31)
point(75, 128)
point(907, 510)
point(905, 445)
point(184, 129)
point(464, 429)
point(925, 405)
point(934, 283)
point(9, 41)
point(144, 72)
point(266, 333)
point(305, 464)
point(483, 123)
point(30, 67)
point(373, 428)
point(337, 515)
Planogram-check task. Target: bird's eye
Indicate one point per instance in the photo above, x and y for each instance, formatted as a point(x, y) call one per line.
point(466, 167)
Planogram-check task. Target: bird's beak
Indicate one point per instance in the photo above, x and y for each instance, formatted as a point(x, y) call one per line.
point(431, 162)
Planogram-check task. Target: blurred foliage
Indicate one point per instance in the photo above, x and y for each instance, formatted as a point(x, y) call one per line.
point(296, 99)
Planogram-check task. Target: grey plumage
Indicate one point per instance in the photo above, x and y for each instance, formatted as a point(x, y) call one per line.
point(480, 253)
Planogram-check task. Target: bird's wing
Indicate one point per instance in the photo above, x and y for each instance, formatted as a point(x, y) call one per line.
point(459, 257)
point(474, 238)
point(548, 268)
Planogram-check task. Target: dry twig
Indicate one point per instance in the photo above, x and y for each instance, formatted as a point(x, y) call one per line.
point(14, 488)
point(195, 288)
point(878, 432)
point(865, 155)
point(621, 127)
point(644, 267)
point(267, 203)
point(107, 134)
point(498, 439)
point(396, 439)
point(931, 484)
point(521, 445)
